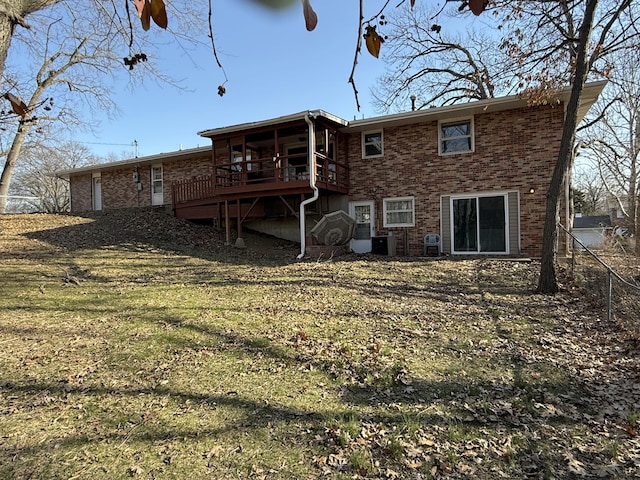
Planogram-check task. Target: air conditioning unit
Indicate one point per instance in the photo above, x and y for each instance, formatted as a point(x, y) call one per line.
point(383, 245)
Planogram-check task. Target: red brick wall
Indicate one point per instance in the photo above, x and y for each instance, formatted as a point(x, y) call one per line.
point(119, 190)
point(514, 150)
point(80, 189)
point(182, 170)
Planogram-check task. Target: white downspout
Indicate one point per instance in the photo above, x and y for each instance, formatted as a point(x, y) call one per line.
point(312, 183)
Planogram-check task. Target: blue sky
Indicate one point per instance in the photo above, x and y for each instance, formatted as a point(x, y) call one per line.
point(274, 67)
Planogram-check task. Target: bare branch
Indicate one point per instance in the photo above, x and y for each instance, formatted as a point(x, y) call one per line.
point(352, 80)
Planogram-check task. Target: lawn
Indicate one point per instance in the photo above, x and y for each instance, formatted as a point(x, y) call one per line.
point(138, 345)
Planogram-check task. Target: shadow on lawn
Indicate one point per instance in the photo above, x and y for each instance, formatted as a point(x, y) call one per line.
point(133, 427)
point(456, 405)
point(367, 382)
point(447, 408)
point(371, 390)
point(539, 386)
point(144, 229)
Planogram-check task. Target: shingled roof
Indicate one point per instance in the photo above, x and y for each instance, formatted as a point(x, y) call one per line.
point(595, 221)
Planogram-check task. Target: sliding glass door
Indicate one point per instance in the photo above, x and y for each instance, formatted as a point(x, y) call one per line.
point(479, 224)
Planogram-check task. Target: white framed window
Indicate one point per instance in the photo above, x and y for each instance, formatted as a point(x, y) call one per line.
point(455, 136)
point(399, 212)
point(372, 144)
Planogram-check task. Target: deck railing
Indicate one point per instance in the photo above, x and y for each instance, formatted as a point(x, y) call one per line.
point(252, 174)
point(331, 173)
point(197, 188)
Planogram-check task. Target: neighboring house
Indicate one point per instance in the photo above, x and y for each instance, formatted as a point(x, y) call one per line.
point(621, 213)
point(475, 174)
point(592, 231)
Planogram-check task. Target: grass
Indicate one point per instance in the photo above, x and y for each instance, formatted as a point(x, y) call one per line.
point(161, 358)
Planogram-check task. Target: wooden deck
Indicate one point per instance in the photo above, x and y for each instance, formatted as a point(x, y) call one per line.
point(264, 177)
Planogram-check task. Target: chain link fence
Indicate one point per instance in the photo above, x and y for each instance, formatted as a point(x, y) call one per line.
point(611, 278)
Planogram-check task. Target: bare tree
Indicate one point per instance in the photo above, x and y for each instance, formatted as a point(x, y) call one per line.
point(124, 18)
point(69, 55)
point(615, 140)
point(587, 180)
point(438, 65)
point(561, 42)
point(36, 175)
point(72, 58)
point(12, 14)
point(552, 44)
point(114, 14)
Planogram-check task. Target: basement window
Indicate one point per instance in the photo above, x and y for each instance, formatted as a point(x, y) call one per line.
point(399, 212)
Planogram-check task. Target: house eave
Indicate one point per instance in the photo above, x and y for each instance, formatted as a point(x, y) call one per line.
point(138, 161)
point(272, 122)
point(589, 95)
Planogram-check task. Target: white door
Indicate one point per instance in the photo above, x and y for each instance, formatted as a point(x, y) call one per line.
point(157, 197)
point(97, 193)
point(364, 214)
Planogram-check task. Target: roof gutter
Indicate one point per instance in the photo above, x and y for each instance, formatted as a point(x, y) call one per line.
point(311, 148)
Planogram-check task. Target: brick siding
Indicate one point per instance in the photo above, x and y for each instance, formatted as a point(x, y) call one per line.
point(182, 170)
point(80, 191)
point(119, 190)
point(514, 151)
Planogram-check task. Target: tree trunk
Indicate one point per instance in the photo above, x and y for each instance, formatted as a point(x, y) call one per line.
point(10, 163)
point(548, 281)
point(6, 31)
point(634, 200)
point(12, 13)
point(636, 225)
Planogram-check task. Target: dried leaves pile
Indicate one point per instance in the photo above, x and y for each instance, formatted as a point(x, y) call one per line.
point(137, 228)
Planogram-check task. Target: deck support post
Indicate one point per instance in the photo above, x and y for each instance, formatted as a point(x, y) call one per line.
point(239, 240)
point(227, 227)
